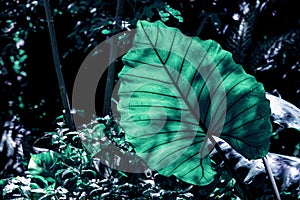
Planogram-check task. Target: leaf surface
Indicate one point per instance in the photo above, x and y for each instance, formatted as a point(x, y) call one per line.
point(284, 113)
point(178, 91)
point(285, 168)
point(42, 168)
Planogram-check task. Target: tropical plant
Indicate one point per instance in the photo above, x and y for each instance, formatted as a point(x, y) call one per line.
point(177, 93)
point(263, 37)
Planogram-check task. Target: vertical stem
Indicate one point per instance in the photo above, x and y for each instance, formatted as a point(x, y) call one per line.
point(111, 69)
point(271, 177)
point(230, 168)
point(62, 88)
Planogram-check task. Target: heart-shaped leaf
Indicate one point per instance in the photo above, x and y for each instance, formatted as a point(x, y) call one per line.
point(176, 92)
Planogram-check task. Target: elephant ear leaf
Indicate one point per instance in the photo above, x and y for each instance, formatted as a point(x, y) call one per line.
point(176, 92)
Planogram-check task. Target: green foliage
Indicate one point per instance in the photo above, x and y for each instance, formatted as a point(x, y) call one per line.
point(169, 11)
point(19, 19)
point(276, 52)
point(69, 172)
point(174, 91)
point(43, 166)
point(106, 141)
point(54, 173)
point(16, 187)
point(240, 35)
point(263, 39)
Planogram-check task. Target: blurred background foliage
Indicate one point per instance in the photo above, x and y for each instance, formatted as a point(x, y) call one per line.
point(262, 35)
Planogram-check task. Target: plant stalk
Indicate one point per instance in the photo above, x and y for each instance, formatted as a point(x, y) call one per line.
point(112, 68)
point(271, 177)
point(230, 168)
point(62, 88)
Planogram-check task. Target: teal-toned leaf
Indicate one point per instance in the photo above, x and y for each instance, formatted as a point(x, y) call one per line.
point(169, 11)
point(34, 186)
point(39, 181)
point(105, 32)
point(176, 92)
point(44, 166)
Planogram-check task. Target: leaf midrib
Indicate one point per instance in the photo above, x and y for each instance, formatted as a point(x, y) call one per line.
point(201, 124)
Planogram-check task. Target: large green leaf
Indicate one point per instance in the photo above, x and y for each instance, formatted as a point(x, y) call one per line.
point(177, 91)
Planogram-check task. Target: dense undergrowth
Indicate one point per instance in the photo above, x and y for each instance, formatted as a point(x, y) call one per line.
point(65, 167)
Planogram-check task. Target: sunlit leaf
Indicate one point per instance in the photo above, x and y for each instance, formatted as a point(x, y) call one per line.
point(176, 90)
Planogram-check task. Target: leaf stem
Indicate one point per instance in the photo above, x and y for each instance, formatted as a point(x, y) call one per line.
point(62, 87)
point(271, 177)
point(230, 168)
point(112, 68)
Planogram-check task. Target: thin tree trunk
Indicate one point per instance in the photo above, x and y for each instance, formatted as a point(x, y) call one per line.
point(271, 177)
point(231, 169)
point(112, 68)
point(62, 88)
